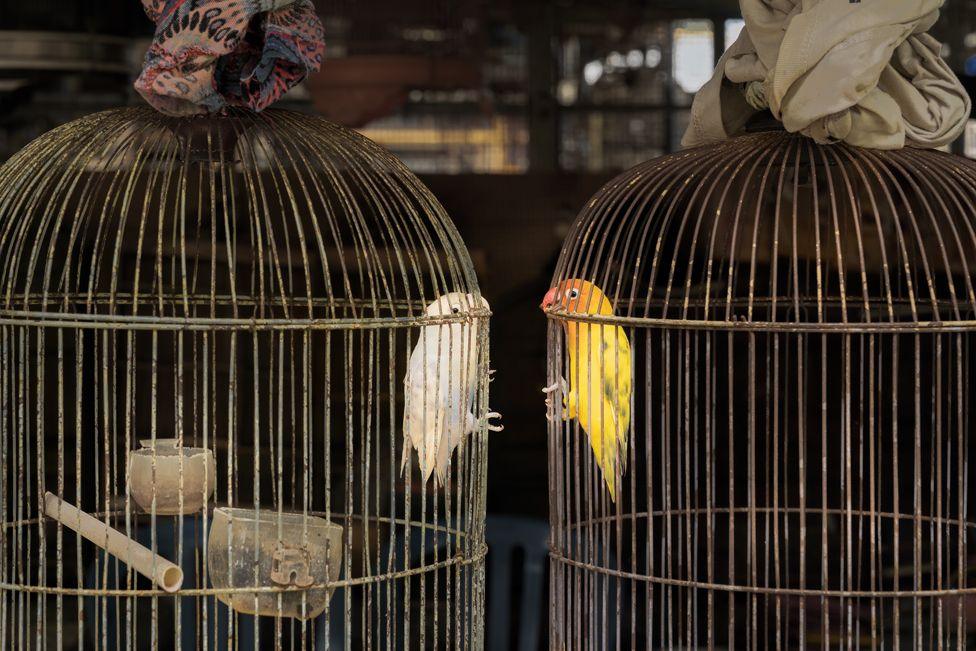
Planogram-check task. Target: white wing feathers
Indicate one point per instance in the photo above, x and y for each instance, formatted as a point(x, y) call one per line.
point(440, 389)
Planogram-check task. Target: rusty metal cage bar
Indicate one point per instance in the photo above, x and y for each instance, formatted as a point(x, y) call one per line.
point(800, 321)
point(250, 286)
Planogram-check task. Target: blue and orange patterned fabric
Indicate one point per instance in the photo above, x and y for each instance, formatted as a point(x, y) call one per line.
point(208, 54)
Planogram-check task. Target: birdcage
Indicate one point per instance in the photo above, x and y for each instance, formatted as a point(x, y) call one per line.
point(764, 432)
point(206, 340)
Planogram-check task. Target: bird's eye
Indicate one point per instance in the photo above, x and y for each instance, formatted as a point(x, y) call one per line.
point(456, 310)
point(574, 293)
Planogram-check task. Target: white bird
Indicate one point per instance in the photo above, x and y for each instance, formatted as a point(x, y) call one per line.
point(440, 387)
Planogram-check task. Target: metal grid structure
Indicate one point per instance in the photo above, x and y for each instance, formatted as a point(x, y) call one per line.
point(242, 291)
point(794, 468)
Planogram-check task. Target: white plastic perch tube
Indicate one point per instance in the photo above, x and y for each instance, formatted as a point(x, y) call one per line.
point(167, 575)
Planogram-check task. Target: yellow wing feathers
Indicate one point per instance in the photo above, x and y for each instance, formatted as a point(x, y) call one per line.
point(600, 387)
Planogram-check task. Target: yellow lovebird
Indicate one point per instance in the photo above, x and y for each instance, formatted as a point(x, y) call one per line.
point(600, 376)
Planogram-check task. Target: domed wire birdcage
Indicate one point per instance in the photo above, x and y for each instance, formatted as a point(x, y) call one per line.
point(764, 432)
point(205, 332)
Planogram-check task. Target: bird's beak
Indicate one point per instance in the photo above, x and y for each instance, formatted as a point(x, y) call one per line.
point(549, 299)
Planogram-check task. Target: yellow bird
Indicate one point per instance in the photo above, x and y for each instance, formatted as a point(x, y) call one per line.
point(600, 376)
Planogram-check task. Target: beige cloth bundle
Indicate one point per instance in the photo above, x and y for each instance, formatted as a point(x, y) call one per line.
point(866, 73)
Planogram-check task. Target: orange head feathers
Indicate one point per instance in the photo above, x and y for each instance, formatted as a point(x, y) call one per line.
point(578, 296)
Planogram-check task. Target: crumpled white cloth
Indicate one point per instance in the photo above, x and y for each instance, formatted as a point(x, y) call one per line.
point(866, 73)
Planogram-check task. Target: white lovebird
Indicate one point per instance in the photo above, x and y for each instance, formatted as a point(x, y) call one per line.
point(440, 387)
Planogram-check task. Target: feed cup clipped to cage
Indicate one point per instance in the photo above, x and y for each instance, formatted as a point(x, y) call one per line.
point(264, 548)
point(766, 379)
point(171, 479)
point(245, 290)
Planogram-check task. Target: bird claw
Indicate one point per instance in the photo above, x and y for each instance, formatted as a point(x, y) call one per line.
point(548, 390)
point(491, 374)
point(562, 386)
point(487, 421)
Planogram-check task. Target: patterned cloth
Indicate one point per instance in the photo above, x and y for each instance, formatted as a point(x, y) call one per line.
point(208, 54)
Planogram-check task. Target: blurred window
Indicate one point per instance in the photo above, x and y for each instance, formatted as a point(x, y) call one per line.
point(969, 144)
point(694, 53)
point(455, 144)
point(733, 27)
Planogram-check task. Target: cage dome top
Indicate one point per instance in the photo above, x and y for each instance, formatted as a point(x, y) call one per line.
point(264, 220)
point(771, 231)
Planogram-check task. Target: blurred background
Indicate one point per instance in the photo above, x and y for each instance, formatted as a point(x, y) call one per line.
point(513, 112)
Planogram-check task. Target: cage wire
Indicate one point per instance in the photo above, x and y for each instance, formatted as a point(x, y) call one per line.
point(204, 335)
point(792, 465)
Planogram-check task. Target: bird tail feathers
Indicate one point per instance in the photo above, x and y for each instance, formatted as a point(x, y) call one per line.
point(609, 476)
